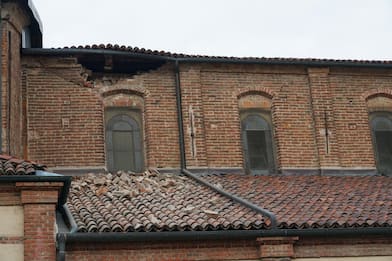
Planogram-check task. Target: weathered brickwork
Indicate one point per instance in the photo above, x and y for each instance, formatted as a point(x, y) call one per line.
point(39, 201)
point(193, 250)
point(258, 249)
point(64, 119)
point(15, 19)
point(351, 113)
point(319, 115)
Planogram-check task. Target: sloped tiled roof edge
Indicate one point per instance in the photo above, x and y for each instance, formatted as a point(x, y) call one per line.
point(316, 202)
point(180, 204)
point(169, 56)
point(12, 166)
point(154, 202)
point(13, 169)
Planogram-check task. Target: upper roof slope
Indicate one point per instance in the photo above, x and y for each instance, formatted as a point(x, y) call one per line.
point(163, 55)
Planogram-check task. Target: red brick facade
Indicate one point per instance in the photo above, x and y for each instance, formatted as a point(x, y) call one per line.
point(275, 248)
point(63, 113)
point(53, 111)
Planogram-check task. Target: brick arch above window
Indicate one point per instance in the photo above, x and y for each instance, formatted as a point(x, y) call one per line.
point(379, 92)
point(254, 100)
point(266, 92)
point(116, 91)
point(131, 101)
point(379, 102)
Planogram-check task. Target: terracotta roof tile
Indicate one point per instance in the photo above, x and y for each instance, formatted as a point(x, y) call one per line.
point(167, 202)
point(316, 201)
point(153, 202)
point(123, 48)
point(13, 166)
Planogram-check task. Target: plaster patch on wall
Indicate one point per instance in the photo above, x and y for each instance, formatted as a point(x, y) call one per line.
point(11, 222)
point(12, 252)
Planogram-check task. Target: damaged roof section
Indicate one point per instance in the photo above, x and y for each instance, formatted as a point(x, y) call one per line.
point(10, 166)
point(154, 201)
point(143, 54)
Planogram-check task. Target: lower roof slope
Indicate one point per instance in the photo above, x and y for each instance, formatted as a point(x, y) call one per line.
point(316, 201)
point(154, 202)
point(166, 202)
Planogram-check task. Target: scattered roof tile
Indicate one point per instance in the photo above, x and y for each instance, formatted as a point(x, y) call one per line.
point(153, 201)
point(165, 202)
point(14, 166)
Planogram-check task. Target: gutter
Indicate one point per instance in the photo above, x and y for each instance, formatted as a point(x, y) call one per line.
point(71, 220)
point(216, 235)
point(225, 60)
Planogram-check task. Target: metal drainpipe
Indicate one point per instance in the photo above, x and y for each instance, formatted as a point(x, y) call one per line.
point(1, 80)
point(179, 116)
point(71, 220)
point(227, 194)
point(61, 239)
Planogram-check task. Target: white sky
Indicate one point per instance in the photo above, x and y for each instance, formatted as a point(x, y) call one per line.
point(339, 29)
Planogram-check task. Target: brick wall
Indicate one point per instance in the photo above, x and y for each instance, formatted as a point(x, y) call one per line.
point(195, 250)
point(64, 119)
point(319, 115)
point(280, 248)
point(28, 225)
point(15, 19)
point(39, 201)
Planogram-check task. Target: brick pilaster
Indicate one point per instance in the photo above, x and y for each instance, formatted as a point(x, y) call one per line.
point(323, 117)
point(39, 201)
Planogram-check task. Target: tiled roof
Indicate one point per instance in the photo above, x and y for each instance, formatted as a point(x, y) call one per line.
point(166, 202)
point(130, 49)
point(153, 202)
point(13, 166)
point(316, 201)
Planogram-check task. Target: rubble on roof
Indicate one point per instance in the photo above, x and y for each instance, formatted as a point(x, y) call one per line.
point(129, 185)
point(153, 201)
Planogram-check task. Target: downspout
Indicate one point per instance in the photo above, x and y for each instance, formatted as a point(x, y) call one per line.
point(71, 220)
point(61, 239)
point(1, 80)
point(179, 117)
point(186, 172)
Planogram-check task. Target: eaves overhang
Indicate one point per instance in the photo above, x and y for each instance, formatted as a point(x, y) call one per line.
point(169, 57)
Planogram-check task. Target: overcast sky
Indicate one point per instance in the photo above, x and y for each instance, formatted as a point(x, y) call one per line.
point(339, 29)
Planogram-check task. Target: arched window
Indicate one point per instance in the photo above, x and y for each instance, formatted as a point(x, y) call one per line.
point(257, 143)
point(381, 125)
point(123, 142)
